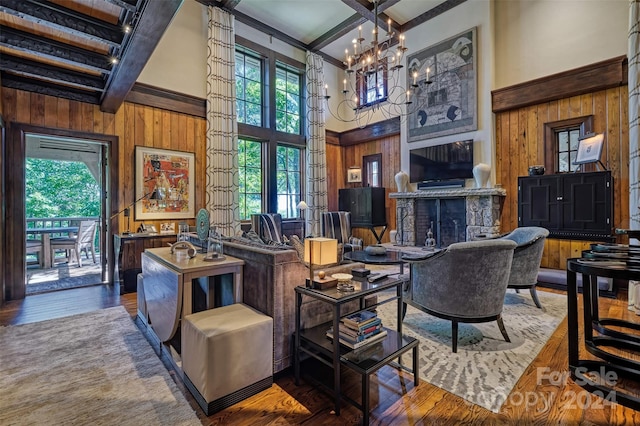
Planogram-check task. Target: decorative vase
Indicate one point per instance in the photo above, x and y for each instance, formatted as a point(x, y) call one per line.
point(402, 181)
point(481, 173)
point(375, 250)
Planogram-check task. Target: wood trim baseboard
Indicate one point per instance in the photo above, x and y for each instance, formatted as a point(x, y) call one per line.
point(590, 78)
point(166, 99)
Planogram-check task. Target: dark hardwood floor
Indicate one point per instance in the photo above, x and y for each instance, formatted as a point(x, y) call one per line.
point(394, 399)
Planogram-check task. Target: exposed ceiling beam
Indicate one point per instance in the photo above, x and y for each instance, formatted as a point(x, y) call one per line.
point(343, 28)
point(155, 17)
point(51, 74)
point(366, 9)
point(49, 49)
point(30, 85)
point(431, 13)
point(62, 19)
point(229, 4)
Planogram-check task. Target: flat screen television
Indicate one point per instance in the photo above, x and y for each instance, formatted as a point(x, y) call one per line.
point(442, 162)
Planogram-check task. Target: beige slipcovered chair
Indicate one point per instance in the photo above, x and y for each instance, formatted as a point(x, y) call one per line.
point(526, 258)
point(84, 240)
point(466, 283)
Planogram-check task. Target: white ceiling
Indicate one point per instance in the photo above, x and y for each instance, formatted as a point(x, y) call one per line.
point(306, 20)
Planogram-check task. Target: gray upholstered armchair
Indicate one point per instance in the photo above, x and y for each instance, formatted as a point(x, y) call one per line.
point(465, 283)
point(526, 258)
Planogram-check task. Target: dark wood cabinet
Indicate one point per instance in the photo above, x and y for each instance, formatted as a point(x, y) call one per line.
point(367, 206)
point(128, 254)
point(570, 205)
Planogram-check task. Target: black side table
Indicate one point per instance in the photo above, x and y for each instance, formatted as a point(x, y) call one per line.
point(366, 360)
point(614, 366)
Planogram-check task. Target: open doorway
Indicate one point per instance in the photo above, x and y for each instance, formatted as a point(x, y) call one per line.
point(14, 148)
point(64, 180)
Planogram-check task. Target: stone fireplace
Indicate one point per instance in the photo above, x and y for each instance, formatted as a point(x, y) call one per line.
point(452, 214)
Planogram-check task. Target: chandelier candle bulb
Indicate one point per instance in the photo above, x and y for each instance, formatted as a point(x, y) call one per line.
point(389, 26)
point(415, 76)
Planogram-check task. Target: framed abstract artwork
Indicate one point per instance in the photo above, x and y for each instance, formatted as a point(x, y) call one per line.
point(165, 184)
point(447, 105)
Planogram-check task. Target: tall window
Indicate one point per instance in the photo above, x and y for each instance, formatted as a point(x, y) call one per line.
point(248, 88)
point(271, 140)
point(567, 141)
point(287, 100)
point(289, 180)
point(372, 86)
point(250, 177)
point(372, 165)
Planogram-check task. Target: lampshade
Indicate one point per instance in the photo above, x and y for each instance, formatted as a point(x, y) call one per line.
point(320, 251)
point(302, 205)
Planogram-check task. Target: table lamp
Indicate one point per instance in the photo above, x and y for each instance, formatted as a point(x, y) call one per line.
point(320, 251)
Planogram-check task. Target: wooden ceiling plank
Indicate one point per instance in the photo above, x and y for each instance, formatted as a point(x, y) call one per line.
point(51, 74)
point(430, 14)
point(342, 29)
point(154, 18)
point(63, 19)
point(61, 52)
point(30, 85)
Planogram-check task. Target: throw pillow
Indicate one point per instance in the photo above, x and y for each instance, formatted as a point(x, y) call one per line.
point(253, 237)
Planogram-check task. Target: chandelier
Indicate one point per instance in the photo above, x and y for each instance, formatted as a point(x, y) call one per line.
point(372, 79)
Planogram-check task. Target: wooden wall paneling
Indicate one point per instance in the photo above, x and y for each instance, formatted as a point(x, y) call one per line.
point(165, 141)
point(575, 106)
point(128, 164)
point(97, 118)
point(511, 200)
point(523, 142)
point(87, 117)
point(37, 109)
point(75, 116)
point(23, 107)
point(118, 128)
point(62, 116)
point(335, 175)
point(612, 151)
point(51, 111)
point(565, 252)
point(157, 129)
point(182, 133)
point(623, 176)
point(543, 117)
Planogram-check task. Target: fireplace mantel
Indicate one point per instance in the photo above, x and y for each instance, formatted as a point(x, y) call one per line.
point(483, 207)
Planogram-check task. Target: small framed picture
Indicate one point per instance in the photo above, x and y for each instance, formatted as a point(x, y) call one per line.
point(589, 149)
point(354, 175)
point(168, 228)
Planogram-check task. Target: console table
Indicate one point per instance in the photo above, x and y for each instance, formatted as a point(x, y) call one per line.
point(365, 360)
point(597, 345)
point(169, 284)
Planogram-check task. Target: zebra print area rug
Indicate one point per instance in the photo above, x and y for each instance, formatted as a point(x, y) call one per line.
point(95, 368)
point(486, 368)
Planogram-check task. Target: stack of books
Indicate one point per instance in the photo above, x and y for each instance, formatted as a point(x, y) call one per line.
point(359, 329)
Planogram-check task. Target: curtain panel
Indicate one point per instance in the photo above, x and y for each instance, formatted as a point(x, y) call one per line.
point(633, 55)
point(316, 162)
point(222, 194)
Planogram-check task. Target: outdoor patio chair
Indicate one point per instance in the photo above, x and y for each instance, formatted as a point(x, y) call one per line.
point(84, 241)
point(35, 247)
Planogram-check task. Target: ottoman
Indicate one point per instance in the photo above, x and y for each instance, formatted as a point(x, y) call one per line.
point(227, 355)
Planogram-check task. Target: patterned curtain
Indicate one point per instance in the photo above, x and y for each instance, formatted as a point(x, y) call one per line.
point(316, 190)
point(633, 55)
point(222, 125)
